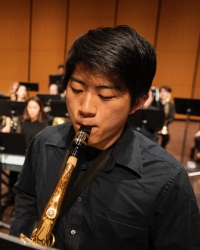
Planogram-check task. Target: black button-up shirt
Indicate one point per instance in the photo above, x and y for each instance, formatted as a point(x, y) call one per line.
point(141, 199)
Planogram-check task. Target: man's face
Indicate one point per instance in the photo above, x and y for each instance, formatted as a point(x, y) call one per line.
point(93, 100)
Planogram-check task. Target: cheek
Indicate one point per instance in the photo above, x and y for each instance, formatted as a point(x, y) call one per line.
point(115, 115)
point(71, 103)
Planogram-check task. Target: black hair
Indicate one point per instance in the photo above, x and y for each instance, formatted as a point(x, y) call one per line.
point(167, 88)
point(119, 53)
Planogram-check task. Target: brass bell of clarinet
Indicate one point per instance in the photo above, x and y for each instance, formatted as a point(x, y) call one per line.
point(43, 235)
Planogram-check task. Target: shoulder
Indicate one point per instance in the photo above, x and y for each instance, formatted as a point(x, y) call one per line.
point(54, 133)
point(161, 169)
point(54, 129)
point(155, 156)
point(153, 108)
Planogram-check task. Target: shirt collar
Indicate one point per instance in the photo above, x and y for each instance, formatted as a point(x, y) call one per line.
point(63, 137)
point(126, 151)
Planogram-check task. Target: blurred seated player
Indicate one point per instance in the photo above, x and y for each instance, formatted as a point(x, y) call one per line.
point(53, 89)
point(61, 69)
point(33, 120)
point(10, 123)
point(196, 147)
point(5, 121)
point(167, 106)
point(12, 91)
point(150, 133)
point(30, 123)
point(21, 94)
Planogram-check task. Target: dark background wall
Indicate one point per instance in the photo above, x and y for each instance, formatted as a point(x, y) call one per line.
point(35, 36)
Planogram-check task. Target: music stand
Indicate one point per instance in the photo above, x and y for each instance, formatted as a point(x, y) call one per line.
point(11, 242)
point(5, 107)
point(30, 86)
point(3, 97)
point(187, 107)
point(147, 118)
point(13, 143)
point(10, 144)
point(58, 108)
point(55, 79)
point(47, 98)
point(18, 107)
point(11, 108)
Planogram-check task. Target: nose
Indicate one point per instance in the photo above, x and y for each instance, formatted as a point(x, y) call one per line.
point(87, 107)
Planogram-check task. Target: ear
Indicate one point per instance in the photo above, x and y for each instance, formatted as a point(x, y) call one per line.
point(139, 105)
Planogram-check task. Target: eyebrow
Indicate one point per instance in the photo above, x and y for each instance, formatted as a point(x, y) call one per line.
point(76, 80)
point(97, 87)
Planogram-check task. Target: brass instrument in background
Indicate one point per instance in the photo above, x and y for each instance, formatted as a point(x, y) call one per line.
point(43, 235)
point(12, 122)
point(56, 120)
point(59, 120)
point(2, 121)
point(164, 130)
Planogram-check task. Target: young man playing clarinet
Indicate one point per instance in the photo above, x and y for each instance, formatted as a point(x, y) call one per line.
point(141, 198)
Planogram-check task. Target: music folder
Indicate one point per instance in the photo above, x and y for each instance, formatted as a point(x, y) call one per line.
point(12, 242)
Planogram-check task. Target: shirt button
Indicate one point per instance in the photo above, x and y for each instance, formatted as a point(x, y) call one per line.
point(73, 232)
point(79, 199)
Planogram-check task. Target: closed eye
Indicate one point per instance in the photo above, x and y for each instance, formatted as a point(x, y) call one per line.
point(106, 98)
point(76, 91)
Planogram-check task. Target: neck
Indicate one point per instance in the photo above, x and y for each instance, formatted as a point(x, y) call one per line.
point(33, 119)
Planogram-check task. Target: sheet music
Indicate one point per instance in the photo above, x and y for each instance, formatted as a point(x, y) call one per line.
point(12, 162)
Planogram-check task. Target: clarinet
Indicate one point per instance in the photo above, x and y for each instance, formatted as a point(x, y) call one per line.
point(42, 235)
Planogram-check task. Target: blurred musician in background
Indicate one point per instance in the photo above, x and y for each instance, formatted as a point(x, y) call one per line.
point(61, 69)
point(5, 124)
point(53, 89)
point(10, 123)
point(30, 123)
point(21, 94)
point(151, 133)
point(12, 91)
point(168, 107)
point(196, 147)
point(33, 120)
